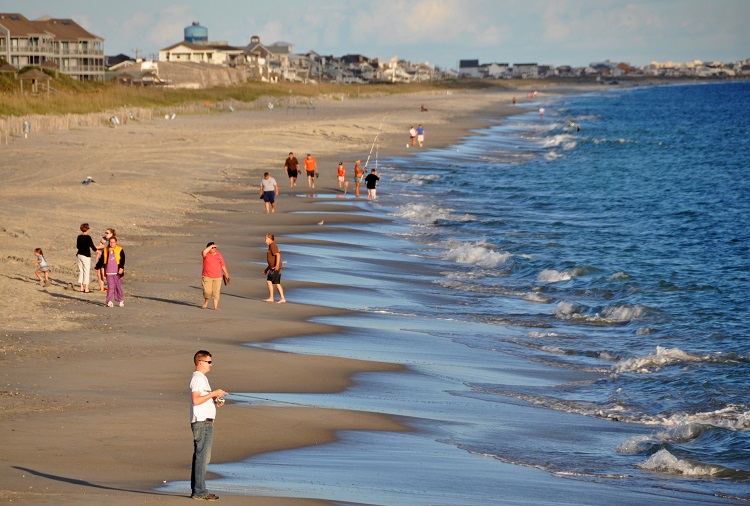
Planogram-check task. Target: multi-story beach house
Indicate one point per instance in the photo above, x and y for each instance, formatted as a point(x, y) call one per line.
point(52, 42)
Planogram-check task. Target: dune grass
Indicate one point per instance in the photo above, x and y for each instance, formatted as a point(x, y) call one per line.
point(69, 96)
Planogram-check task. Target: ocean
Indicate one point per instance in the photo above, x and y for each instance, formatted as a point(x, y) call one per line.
point(569, 295)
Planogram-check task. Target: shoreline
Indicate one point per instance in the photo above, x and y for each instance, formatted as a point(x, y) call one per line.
point(91, 367)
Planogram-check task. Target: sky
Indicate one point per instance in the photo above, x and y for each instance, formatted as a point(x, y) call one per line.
point(439, 32)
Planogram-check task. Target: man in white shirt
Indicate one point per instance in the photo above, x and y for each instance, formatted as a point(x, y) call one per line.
point(204, 402)
point(268, 191)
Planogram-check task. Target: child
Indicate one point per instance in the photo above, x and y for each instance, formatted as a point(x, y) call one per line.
point(114, 267)
point(43, 267)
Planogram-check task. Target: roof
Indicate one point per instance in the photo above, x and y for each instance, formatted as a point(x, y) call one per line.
point(62, 29)
point(203, 47)
point(34, 74)
point(8, 68)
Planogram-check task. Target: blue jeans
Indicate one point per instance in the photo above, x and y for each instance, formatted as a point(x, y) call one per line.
point(203, 440)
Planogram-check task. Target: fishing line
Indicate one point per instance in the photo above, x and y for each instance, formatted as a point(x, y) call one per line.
point(277, 401)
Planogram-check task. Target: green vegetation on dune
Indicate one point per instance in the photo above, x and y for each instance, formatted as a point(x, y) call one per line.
point(68, 96)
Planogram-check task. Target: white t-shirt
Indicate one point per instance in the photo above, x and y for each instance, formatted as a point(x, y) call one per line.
point(199, 413)
point(268, 185)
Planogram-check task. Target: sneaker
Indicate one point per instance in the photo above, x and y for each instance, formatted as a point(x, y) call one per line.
point(122, 303)
point(109, 304)
point(207, 497)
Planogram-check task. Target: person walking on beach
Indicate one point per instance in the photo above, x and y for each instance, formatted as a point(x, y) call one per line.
point(268, 191)
point(291, 164)
point(43, 271)
point(341, 176)
point(114, 267)
point(420, 135)
point(273, 271)
point(84, 245)
point(203, 404)
point(412, 136)
point(359, 174)
point(371, 181)
point(214, 269)
point(99, 267)
point(541, 113)
point(311, 169)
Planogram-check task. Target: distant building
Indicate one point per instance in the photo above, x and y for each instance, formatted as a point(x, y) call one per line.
point(55, 42)
point(525, 70)
point(469, 68)
point(196, 48)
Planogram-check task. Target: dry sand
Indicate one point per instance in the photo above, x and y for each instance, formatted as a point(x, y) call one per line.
point(94, 400)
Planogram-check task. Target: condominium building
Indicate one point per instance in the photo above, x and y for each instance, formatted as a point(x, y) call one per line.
point(73, 50)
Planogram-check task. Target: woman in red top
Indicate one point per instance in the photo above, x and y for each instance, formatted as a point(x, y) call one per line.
point(214, 269)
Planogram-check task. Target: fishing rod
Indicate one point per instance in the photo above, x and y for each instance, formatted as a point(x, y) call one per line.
point(374, 142)
point(274, 400)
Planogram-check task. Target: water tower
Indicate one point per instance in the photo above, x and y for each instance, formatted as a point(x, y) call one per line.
point(196, 33)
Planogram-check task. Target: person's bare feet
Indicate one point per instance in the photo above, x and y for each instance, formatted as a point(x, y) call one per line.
point(282, 301)
point(267, 300)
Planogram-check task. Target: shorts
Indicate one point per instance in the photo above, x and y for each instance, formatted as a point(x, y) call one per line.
point(274, 277)
point(341, 179)
point(99, 263)
point(269, 196)
point(44, 268)
point(310, 174)
point(292, 172)
point(420, 138)
point(211, 287)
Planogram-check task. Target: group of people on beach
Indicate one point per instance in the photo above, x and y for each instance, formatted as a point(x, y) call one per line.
point(292, 168)
point(215, 272)
point(109, 266)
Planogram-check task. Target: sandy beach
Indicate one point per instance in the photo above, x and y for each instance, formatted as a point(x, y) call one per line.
point(95, 400)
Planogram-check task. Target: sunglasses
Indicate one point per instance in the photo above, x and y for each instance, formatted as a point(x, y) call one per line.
point(206, 361)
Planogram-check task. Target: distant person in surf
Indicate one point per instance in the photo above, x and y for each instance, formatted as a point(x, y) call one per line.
point(371, 181)
point(359, 174)
point(341, 176)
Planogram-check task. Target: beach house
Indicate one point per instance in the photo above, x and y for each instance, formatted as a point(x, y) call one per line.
point(59, 43)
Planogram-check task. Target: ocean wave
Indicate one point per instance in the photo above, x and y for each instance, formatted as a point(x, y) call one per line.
point(537, 297)
point(565, 141)
point(609, 315)
point(418, 179)
point(552, 156)
point(554, 276)
point(666, 357)
point(478, 253)
point(427, 214)
point(665, 462)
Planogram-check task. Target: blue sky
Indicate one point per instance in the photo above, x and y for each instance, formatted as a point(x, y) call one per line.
point(556, 32)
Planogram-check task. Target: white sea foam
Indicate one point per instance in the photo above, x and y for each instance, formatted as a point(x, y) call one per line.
point(539, 335)
point(623, 313)
point(611, 315)
point(650, 363)
point(665, 462)
point(566, 141)
point(417, 179)
point(552, 156)
point(478, 253)
point(429, 214)
point(554, 276)
point(537, 297)
point(619, 276)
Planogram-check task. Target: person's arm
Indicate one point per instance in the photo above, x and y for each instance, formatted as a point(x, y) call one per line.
point(277, 264)
point(207, 250)
point(121, 266)
point(276, 187)
point(199, 399)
